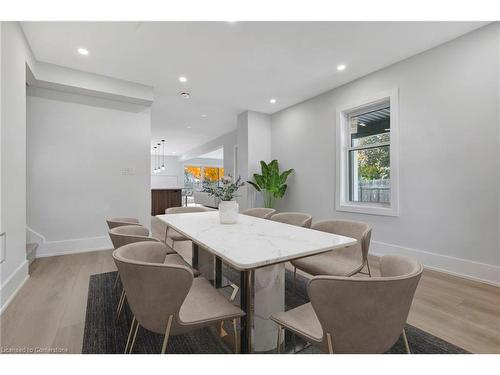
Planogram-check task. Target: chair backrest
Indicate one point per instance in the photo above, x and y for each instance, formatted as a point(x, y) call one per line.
point(155, 290)
point(293, 218)
point(119, 221)
point(184, 210)
point(354, 229)
point(263, 213)
point(126, 234)
point(366, 315)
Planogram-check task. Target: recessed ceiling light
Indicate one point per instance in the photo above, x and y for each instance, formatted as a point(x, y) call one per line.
point(341, 67)
point(183, 79)
point(361, 124)
point(189, 127)
point(185, 95)
point(272, 101)
point(203, 116)
point(83, 51)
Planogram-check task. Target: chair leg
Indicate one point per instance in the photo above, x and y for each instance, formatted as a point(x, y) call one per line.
point(405, 339)
point(236, 288)
point(330, 344)
point(236, 338)
point(116, 281)
point(120, 305)
point(278, 344)
point(368, 265)
point(222, 332)
point(130, 333)
point(166, 231)
point(294, 279)
point(167, 335)
point(133, 340)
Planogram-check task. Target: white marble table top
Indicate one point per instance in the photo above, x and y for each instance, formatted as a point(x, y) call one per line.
point(252, 242)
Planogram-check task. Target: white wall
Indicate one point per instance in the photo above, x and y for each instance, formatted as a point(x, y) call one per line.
point(15, 55)
point(449, 155)
point(227, 141)
point(172, 176)
point(77, 150)
point(206, 162)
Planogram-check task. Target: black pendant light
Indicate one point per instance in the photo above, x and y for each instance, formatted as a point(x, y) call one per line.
point(163, 155)
point(158, 162)
point(154, 169)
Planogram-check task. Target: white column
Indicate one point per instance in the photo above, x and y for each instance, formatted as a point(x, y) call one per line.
point(268, 298)
point(254, 145)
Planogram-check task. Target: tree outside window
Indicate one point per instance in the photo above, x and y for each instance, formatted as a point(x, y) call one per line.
point(195, 175)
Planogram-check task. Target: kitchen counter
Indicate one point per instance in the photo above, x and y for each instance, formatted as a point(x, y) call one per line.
point(163, 198)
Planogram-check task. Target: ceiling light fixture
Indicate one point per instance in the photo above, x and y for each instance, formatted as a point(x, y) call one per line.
point(182, 79)
point(159, 158)
point(362, 124)
point(341, 67)
point(189, 127)
point(185, 95)
point(83, 51)
point(163, 155)
point(154, 150)
point(272, 101)
point(204, 116)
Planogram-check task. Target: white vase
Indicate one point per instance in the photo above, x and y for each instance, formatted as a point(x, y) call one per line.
point(228, 212)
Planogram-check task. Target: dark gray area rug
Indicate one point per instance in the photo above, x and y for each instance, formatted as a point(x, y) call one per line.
point(104, 335)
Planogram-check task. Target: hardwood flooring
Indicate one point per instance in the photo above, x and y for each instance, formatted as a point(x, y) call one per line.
point(49, 311)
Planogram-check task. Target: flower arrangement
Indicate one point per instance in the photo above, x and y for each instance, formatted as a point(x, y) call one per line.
point(227, 189)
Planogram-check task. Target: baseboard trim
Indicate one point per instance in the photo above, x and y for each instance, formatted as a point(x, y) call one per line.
point(79, 245)
point(469, 269)
point(13, 285)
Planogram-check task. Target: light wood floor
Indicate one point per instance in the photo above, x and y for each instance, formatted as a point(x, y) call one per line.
point(49, 311)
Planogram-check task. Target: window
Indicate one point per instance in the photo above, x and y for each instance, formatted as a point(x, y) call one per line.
point(213, 174)
point(367, 156)
point(195, 175)
point(192, 176)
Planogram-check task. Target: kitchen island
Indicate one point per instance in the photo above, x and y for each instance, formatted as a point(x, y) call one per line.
point(163, 198)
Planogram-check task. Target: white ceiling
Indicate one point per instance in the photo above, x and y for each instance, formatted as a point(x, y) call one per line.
point(231, 67)
point(216, 154)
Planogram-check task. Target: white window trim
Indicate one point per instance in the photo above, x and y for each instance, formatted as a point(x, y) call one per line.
point(342, 202)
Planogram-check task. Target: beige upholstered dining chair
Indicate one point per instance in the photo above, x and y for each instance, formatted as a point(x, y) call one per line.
point(293, 218)
point(263, 213)
point(356, 315)
point(346, 261)
point(126, 234)
point(165, 298)
point(119, 221)
point(171, 233)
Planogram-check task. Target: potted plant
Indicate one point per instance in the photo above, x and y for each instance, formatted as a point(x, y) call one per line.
point(271, 182)
point(226, 192)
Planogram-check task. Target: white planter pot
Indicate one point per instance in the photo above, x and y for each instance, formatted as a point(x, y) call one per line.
point(228, 212)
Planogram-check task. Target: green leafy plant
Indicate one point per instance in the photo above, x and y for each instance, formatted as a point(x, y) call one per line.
point(271, 182)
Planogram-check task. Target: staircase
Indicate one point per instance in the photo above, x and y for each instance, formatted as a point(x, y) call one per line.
point(34, 240)
point(31, 254)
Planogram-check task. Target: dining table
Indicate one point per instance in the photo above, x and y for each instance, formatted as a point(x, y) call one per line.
point(258, 249)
